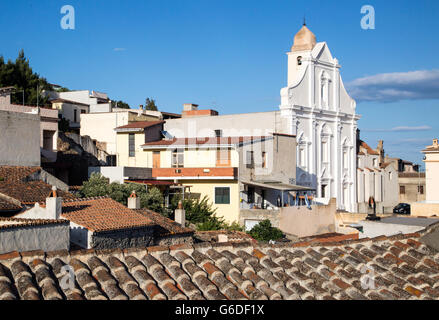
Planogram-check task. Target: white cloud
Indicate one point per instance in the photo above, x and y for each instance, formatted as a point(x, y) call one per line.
point(396, 86)
point(401, 129)
point(119, 49)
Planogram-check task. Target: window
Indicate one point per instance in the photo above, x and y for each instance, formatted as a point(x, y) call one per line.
point(421, 189)
point(250, 161)
point(223, 157)
point(222, 195)
point(264, 159)
point(218, 133)
point(131, 145)
point(375, 162)
point(299, 60)
point(83, 111)
point(178, 158)
point(323, 191)
point(75, 115)
point(401, 189)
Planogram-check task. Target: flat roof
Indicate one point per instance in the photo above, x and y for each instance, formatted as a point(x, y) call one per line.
point(410, 221)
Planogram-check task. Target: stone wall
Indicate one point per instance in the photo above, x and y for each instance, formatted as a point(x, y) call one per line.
point(425, 209)
point(259, 214)
point(173, 239)
point(122, 239)
point(44, 237)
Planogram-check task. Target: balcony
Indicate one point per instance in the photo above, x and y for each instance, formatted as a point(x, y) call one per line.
point(195, 173)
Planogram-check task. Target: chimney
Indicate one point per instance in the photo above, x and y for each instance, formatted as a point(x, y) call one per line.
point(435, 143)
point(180, 215)
point(53, 205)
point(141, 106)
point(133, 201)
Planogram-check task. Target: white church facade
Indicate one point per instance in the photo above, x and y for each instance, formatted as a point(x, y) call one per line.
point(322, 115)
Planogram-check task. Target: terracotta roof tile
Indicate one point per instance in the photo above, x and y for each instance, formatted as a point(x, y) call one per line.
point(103, 214)
point(402, 268)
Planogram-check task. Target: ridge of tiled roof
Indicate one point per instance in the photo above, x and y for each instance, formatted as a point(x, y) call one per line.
point(102, 214)
point(403, 268)
point(140, 124)
point(12, 223)
point(165, 226)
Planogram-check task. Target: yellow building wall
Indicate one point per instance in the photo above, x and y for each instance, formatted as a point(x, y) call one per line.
point(202, 158)
point(230, 212)
point(141, 159)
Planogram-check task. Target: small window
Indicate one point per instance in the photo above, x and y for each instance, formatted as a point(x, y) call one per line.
point(75, 115)
point(222, 195)
point(402, 189)
point(178, 158)
point(421, 189)
point(323, 190)
point(131, 145)
point(250, 160)
point(299, 60)
point(218, 133)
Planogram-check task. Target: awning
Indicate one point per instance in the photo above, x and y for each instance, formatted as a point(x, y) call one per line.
point(278, 186)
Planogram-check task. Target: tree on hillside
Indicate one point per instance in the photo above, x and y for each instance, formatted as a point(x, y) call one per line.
point(20, 75)
point(120, 104)
point(150, 105)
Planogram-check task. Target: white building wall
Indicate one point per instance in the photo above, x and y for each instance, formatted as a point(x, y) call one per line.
point(319, 109)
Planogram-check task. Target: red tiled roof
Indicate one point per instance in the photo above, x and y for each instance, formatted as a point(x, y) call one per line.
point(103, 214)
point(368, 148)
point(402, 267)
point(13, 223)
point(164, 226)
point(6, 205)
point(16, 173)
point(140, 124)
point(204, 141)
point(30, 192)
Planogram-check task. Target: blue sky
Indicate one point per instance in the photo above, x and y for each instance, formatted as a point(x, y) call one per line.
point(230, 55)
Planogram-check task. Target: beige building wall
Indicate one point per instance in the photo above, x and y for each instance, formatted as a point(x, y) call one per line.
point(100, 126)
point(230, 212)
point(432, 176)
point(411, 184)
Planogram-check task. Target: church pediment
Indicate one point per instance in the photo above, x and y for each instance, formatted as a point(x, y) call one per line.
point(322, 53)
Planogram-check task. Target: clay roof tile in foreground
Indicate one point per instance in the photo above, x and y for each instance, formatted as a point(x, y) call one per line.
point(403, 268)
point(102, 214)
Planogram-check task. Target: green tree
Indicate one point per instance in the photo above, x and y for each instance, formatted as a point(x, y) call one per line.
point(264, 231)
point(120, 104)
point(99, 186)
point(150, 105)
point(20, 75)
